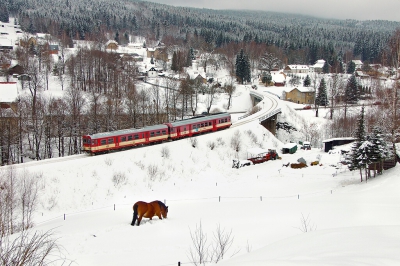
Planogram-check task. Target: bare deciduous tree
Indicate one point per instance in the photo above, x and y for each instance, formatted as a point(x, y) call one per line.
point(222, 242)
point(198, 253)
point(31, 248)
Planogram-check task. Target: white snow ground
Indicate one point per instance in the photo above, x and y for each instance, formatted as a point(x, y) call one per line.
point(352, 223)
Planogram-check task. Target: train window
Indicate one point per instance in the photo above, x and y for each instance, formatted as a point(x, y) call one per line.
point(136, 136)
point(194, 126)
point(123, 138)
point(164, 132)
point(151, 134)
point(110, 141)
point(94, 142)
point(130, 137)
point(103, 142)
point(202, 125)
point(84, 141)
point(158, 133)
point(184, 129)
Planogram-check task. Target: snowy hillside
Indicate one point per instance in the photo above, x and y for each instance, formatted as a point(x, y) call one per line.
point(265, 206)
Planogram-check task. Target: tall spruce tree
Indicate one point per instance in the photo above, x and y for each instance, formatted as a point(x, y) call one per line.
point(174, 64)
point(351, 67)
point(307, 81)
point(322, 96)
point(355, 156)
point(242, 67)
point(379, 149)
point(351, 91)
point(326, 68)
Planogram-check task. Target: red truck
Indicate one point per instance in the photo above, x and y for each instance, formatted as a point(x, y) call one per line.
point(257, 155)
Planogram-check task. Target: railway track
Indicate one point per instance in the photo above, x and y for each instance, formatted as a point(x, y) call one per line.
point(268, 104)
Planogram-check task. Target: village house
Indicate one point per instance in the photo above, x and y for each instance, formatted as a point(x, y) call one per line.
point(318, 66)
point(358, 64)
point(295, 69)
point(301, 95)
point(111, 45)
point(152, 73)
point(9, 96)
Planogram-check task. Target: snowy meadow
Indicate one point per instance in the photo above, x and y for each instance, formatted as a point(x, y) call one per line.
point(267, 213)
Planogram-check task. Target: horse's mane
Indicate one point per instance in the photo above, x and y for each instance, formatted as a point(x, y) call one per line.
point(161, 204)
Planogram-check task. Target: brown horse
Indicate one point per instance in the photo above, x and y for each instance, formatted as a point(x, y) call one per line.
point(148, 210)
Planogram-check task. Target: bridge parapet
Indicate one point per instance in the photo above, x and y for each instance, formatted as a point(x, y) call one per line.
point(269, 115)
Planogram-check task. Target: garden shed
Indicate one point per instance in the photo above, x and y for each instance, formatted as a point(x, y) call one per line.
point(289, 148)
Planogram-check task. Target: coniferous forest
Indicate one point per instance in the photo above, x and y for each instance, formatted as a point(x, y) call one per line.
point(302, 39)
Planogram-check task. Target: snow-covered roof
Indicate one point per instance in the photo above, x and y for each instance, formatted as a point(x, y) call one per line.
point(111, 41)
point(332, 139)
point(256, 151)
point(302, 67)
point(8, 92)
point(301, 89)
point(319, 64)
point(278, 77)
point(289, 145)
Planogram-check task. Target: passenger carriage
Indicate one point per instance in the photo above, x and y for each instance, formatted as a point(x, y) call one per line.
point(126, 138)
point(198, 125)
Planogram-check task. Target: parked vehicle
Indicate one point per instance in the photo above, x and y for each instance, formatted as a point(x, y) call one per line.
point(306, 145)
point(261, 155)
point(307, 107)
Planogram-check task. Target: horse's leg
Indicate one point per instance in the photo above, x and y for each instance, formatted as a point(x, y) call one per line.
point(139, 219)
point(135, 214)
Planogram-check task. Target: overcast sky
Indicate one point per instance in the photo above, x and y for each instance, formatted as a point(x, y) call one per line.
point(341, 9)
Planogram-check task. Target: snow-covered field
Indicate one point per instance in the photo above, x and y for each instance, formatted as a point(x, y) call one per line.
point(265, 206)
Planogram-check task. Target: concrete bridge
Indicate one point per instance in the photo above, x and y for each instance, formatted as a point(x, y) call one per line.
point(268, 114)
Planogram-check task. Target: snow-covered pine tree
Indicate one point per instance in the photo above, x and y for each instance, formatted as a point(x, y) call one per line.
point(379, 149)
point(174, 64)
point(351, 91)
point(307, 81)
point(351, 68)
point(242, 67)
point(326, 68)
point(322, 96)
point(354, 158)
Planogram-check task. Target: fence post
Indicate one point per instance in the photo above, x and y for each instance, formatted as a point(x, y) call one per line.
point(298, 196)
point(219, 199)
point(64, 216)
point(261, 198)
point(114, 207)
point(179, 263)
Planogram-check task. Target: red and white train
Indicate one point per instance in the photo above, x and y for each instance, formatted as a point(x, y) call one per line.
point(127, 138)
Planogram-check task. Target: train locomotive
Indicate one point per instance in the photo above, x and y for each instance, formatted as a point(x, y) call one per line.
point(127, 138)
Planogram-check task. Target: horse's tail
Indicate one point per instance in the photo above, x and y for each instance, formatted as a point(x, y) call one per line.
point(135, 213)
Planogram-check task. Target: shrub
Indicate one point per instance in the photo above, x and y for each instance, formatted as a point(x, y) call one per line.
point(119, 179)
point(211, 145)
point(165, 152)
point(193, 142)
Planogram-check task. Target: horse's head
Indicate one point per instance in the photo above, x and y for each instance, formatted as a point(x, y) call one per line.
point(164, 211)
